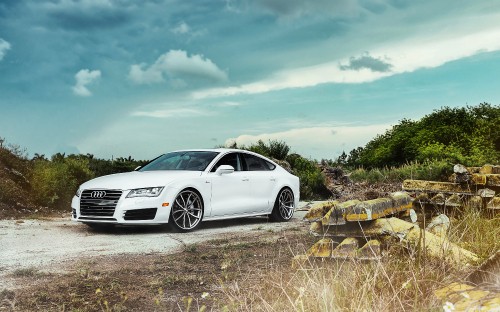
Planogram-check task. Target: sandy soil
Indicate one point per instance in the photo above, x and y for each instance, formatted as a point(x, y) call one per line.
point(49, 245)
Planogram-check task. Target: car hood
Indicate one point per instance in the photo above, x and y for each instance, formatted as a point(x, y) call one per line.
point(138, 179)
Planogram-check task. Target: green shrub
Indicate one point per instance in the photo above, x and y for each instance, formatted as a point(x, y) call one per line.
point(275, 149)
point(312, 180)
point(55, 182)
point(468, 135)
point(437, 170)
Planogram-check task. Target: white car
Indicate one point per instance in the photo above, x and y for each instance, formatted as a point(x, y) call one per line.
point(182, 188)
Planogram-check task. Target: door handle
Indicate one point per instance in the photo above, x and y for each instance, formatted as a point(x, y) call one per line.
point(245, 179)
point(273, 179)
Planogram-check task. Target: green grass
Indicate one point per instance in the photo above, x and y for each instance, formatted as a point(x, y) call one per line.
point(431, 170)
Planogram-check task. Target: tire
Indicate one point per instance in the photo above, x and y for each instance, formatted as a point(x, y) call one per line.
point(187, 211)
point(284, 206)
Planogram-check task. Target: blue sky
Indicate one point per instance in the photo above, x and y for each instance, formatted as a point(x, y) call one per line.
point(140, 78)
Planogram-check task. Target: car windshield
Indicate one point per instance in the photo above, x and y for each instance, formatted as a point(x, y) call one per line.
point(187, 160)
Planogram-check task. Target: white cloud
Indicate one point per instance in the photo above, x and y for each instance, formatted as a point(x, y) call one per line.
point(318, 142)
point(228, 104)
point(181, 29)
point(172, 113)
point(83, 78)
point(4, 47)
point(420, 49)
point(176, 64)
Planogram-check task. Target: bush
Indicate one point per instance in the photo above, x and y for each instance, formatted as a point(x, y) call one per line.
point(55, 182)
point(312, 180)
point(274, 149)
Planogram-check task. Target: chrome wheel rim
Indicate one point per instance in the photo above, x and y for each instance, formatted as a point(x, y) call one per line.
point(187, 210)
point(286, 204)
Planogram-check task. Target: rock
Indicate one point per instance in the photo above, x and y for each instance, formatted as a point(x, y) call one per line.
point(439, 225)
point(458, 168)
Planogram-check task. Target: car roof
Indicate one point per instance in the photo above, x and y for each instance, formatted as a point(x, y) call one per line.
point(225, 150)
point(212, 150)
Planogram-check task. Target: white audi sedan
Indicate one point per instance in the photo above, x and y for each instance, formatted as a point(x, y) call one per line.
point(186, 187)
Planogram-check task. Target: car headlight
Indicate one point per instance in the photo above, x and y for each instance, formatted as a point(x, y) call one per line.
point(78, 192)
point(145, 192)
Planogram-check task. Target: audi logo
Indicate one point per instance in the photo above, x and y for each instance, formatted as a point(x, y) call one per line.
point(98, 194)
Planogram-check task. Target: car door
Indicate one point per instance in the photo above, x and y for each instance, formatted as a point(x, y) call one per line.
point(262, 182)
point(231, 193)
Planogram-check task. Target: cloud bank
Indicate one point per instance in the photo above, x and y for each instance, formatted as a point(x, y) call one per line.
point(411, 55)
point(315, 141)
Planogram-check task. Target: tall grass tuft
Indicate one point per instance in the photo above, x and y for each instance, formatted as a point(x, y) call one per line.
point(430, 170)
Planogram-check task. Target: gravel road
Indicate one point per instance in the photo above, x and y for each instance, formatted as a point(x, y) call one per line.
point(49, 244)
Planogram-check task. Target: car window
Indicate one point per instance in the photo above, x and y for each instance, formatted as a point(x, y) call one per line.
point(230, 159)
point(270, 165)
point(186, 160)
point(254, 163)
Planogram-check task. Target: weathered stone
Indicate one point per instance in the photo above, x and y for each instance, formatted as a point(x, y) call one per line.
point(439, 225)
point(400, 199)
point(461, 169)
point(422, 198)
point(475, 202)
point(485, 193)
point(438, 199)
point(478, 179)
point(319, 210)
point(370, 250)
point(462, 297)
point(336, 215)
point(493, 179)
point(316, 228)
point(346, 249)
point(433, 186)
point(436, 246)
point(453, 201)
point(321, 249)
point(494, 203)
point(489, 169)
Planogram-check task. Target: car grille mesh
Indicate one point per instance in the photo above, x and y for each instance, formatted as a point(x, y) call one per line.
point(140, 214)
point(99, 207)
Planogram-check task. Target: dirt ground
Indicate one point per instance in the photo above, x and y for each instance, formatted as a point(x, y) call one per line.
point(55, 264)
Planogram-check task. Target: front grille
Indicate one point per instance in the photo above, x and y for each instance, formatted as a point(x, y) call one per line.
point(140, 214)
point(99, 207)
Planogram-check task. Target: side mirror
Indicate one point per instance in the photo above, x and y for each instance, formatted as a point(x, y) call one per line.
point(224, 169)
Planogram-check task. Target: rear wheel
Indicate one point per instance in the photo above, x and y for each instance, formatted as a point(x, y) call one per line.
point(284, 206)
point(187, 211)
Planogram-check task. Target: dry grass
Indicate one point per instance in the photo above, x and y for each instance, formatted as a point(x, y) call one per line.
point(255, 273)
point(398, 282)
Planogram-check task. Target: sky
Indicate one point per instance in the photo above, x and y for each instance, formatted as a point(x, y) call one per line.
point(119, 78)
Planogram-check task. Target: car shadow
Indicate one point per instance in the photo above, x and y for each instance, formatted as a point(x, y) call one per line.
point(165, 228)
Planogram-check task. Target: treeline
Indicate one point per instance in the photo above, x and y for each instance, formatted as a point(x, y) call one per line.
point(425, 148)
point(50, 182)
point(468, 135)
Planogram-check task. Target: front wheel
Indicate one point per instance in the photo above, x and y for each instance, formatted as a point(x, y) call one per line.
point(284, 206)
point(187, 211)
